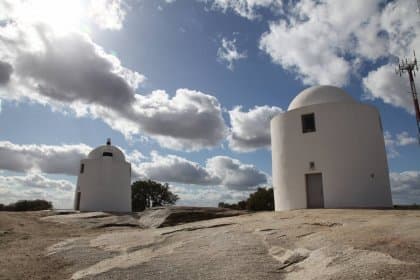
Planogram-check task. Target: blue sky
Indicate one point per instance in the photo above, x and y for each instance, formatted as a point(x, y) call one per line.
point(165, 79)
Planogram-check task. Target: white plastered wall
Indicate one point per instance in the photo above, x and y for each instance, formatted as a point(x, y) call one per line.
point(347, 148)
point(105, 185)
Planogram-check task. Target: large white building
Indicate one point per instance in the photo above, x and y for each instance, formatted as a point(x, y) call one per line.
point(328, 151)
point(104, 181)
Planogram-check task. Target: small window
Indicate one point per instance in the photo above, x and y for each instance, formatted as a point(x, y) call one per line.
point(107, 154)
point(82, 168)
point(308, 123)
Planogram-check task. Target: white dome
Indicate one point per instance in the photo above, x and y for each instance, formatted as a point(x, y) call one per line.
point(319, 95)
point(107, 150)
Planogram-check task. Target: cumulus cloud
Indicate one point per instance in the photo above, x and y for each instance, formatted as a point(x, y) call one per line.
point(36, 186)
point(207, 196)
point(234, 174)
point(5, 71)
point(392, 89)
point(218, 171)
point(229, 53)
point(325, 43)
point(70, 72)
point(36, 180)
point(190, 120)
point(405, 187)
point(64, 159)
point(251, 130)
point(173, 168)
point(393, 142)
point(134, 156)
point(108, 14)
point(245, 8)
point(404, 139)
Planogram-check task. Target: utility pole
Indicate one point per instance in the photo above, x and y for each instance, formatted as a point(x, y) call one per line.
point(411, 67)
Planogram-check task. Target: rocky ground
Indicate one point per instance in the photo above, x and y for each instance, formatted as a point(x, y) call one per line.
point(209, 243)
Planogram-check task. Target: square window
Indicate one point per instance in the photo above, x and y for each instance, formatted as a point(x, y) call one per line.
point(308, 123)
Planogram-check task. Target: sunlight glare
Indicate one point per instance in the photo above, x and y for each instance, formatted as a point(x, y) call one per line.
point(61, 15)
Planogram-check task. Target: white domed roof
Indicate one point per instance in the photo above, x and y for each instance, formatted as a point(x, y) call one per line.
point(319, 95)
point(107, 150)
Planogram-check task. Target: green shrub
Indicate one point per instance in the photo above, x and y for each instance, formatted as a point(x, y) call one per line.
point(27, 205)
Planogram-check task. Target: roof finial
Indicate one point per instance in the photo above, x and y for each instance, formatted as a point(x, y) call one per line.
point(108, 141)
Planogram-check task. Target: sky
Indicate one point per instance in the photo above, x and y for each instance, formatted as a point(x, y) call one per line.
point(186, 88)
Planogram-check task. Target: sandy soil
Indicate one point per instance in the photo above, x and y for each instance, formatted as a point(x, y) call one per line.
point(303, 244)
point(23, 239)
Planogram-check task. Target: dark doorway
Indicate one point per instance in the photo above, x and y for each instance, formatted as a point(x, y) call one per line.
point(314, 192)
point(78, 195)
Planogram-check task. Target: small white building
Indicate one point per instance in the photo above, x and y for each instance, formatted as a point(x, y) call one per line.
point(104, 181)
point(328, 151)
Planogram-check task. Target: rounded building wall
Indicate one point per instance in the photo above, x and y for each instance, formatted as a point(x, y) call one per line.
point(104, 185)
point(347, 148)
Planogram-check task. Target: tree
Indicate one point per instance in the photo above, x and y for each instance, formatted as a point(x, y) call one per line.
point(146, 194)
point(261, 200)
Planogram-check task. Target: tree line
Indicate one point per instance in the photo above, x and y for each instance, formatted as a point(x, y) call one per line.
point(27, 205)
point(261, 200)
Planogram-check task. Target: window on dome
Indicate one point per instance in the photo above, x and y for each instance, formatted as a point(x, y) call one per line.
point(308, 123)
point(107, 154)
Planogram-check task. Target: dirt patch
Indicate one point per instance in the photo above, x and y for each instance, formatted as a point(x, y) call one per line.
point(22, 246)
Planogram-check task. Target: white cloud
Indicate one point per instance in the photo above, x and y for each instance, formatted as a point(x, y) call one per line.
point(245, 8)
point(37, 180)
point(399, 140)
point(134, 156)
point(229, 53)
point(107, 14)
point(70, 72)
point(404, 139)
point(392, 89)
point(405, 187)
point(36, 186)
point(323, 41)
point(64, 159)
point(190, 120)
point(173, 169)
point(207, 196)
point(234, 174)
point(251, 130)
point(218, 171)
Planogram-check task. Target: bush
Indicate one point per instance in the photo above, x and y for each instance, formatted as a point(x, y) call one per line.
point(146, 194)
point(261, 200)
point(27, 205)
